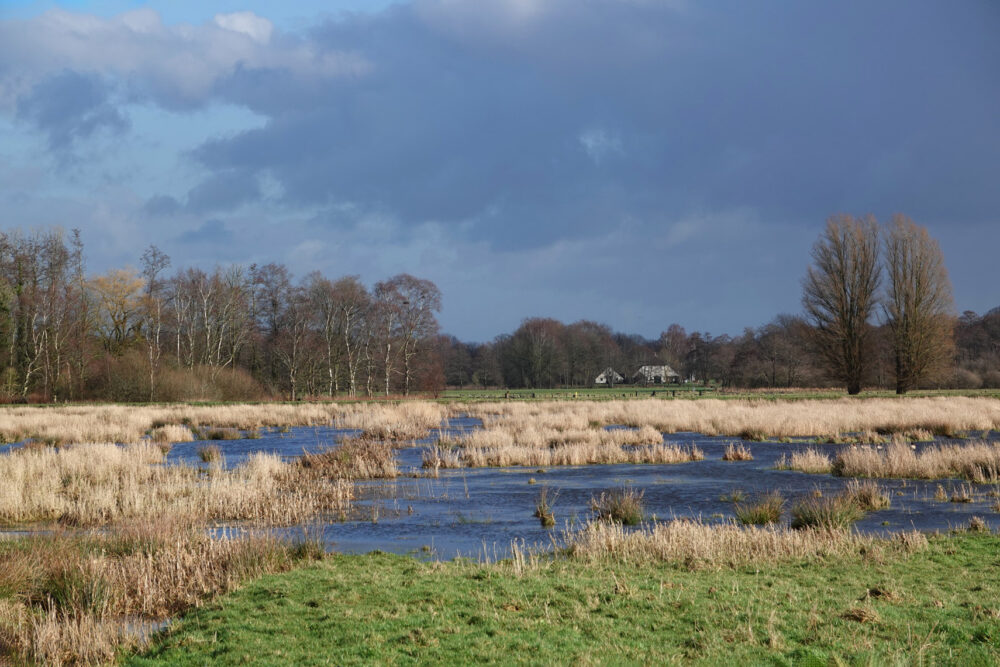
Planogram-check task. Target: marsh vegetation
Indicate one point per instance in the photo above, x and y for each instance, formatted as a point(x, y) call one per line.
point(632, 480)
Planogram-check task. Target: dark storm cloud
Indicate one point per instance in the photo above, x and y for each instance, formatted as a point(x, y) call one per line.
point(223, 191)
point(70, 106)
point(569, 116)
point(211, 232)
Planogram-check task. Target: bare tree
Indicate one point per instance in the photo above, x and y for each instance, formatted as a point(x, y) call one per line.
point(153, 262)
point(410, 304)
point(919, 307)
point(839, 295)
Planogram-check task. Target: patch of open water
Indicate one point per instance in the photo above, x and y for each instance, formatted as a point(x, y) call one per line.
point(477, 512)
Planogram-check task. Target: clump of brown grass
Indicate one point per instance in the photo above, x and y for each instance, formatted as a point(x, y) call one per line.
point(410, 420)
point(962, 494)
point(210, 454)
point(694, 544)
point(101, 484)
point(624, 506)
point(737, 452)
point(81, 598)
point(543, 508)
point(867, 495)
point(829, 513)
point(171, 433)
point(865, 614)
point(810, 461)
point(764, 510)
point(354, 458)
point(977, 525)
point(976, 462)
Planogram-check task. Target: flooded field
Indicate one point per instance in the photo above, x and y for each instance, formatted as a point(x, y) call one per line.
point(477, 512)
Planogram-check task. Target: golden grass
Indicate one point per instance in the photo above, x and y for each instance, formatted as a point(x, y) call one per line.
point(771, 419)
point(171, 433)
point(80, 598)
point(977, 462)
point(696, 545)
point(99, 484)
point(560, 455)
point(130, 424)
point(810, 460)
point(737, 452)
point(355, 458)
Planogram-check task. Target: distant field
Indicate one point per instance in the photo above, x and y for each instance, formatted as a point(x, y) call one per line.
point(687, 392)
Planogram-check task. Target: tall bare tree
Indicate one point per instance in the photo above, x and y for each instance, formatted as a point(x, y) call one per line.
point(919, 307)
point(840, 295)
point(154, 261)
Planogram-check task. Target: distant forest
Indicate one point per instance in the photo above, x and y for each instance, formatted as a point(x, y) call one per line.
point(253, 332)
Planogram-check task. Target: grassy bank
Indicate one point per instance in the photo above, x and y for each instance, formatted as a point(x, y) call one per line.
point(938, 603)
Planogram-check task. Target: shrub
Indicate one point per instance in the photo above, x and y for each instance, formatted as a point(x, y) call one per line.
point(621, 506)
point(767, 509)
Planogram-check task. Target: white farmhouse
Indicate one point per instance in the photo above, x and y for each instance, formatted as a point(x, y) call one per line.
point(609, 376)
point(656, 375)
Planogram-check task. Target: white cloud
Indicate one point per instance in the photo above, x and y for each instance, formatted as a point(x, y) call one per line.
point(177, 65)
point(257, 28)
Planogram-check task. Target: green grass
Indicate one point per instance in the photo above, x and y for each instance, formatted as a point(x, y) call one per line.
point(938, 606)
point(687, 392)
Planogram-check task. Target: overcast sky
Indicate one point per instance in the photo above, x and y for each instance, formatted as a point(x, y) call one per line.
point(635, 162)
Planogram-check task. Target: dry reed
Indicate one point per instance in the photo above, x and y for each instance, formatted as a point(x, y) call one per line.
point(99, 484)
point(694, 544)
point(130, 424)
point(977, 462)
point(770, 419)
point(737, 452)
point(82, 598)
point(354, 458)
point(810, 460)
point(561, 455)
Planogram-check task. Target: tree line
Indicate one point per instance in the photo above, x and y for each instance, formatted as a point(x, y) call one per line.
point(235, 332)
point(877, 312)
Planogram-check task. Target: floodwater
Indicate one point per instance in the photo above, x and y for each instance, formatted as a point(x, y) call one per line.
point(478, 512)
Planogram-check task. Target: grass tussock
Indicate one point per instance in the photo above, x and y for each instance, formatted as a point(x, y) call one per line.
point(737, 452)
point(83, 598)
point(210, 454)
point(543, 508)
point(695, 545)
point(810, 461)
point(867, 495)
point(354, 458)
point(764, 510)
point(88, 485)
point(828, 513)
point(976, 462)
point(623, 506)
point(171, 433)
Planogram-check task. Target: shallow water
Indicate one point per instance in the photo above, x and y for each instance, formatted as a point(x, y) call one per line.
point(477, 512)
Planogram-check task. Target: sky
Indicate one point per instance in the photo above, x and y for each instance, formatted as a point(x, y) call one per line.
point(634, 162)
